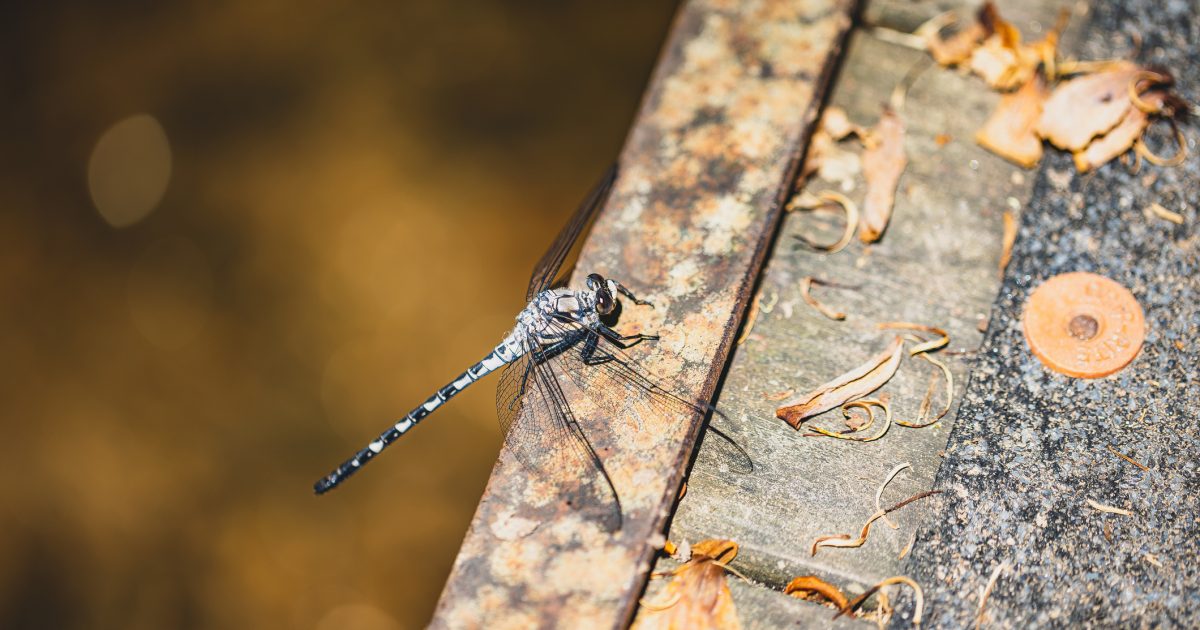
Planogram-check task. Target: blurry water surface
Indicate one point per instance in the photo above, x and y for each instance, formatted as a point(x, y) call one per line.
point(236, 240)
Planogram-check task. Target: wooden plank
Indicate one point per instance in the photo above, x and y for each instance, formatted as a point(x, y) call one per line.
point(937, 264)
point(703, 176)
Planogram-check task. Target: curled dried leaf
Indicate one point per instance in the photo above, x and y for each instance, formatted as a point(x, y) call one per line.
point(809, 584)
point(1142, 81)
point(1010, 132)
point(697, 596)
point(825, 199)
point(845, 541)
point(1005, 63)
point(865, 404)
point(756, 306)
point(1119, 140)
point(883, 162)
point(805, 292)
point(856, 383)
point(919, 596)
point(1088, 106)
point(1142, 150)
point(958, 47)
point(923, 415)
point(879, 492)
point(942, 339)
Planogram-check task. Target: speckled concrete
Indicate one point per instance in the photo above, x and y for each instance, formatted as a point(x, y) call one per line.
point(1030, 446)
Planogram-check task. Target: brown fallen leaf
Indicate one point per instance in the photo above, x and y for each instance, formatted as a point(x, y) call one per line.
point(867, 405)
point(919, 596)
point(836, 123)
point(1005, 63)
point(1087, 106)
point(805, 292)
point(823, 153)
point(958, 47)
point(1120, 139)
point(845, 541)
point(1158, 210)
point(941, 341)
point(697, 596)
point(883, 162)
point(923, 419)
point(856, 383)
point(1008, 239)
point(827, 198)
point(986, 592)
point(1010, 132)
point(805, 585)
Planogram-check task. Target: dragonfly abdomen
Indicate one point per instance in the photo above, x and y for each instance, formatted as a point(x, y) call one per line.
point(504, 353)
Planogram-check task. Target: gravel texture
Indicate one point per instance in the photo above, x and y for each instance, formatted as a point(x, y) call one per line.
point(1031, 447)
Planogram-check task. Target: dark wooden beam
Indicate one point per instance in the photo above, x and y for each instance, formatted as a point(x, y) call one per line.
point(704, 174)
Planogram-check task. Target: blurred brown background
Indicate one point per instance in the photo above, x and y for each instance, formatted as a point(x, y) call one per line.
point(237, 239)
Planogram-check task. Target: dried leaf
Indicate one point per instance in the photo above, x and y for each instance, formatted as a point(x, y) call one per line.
point(1128, 458)
point(697, 596)
point(987, 591)
point(827, 198)
point(1119, 140)
point(1005, 64)
point(1161, 212)
point(1108, 508)
point(883, 162)
point(1085, 107)
point(918, 608)
point(1009, 238)
point(755, 307)
point(805, 584)
point(805, 292)
point(777, 396)
point(879, 492)
point(844, 540)
point(958, 47)
point(1139, 145)
point(923, 414)
point(837, 123)
point(856, 383)
point(866, 404)
point(943, 338)
point(1010, 132)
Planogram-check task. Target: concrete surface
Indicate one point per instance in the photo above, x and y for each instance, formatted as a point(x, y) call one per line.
point(1030, 446)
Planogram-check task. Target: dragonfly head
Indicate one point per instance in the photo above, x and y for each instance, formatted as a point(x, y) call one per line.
point(604, 297)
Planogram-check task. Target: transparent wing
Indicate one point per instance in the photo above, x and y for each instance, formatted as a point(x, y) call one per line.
point(543, 395)
point(617, 382)
point(533, 403)
point(546, 270)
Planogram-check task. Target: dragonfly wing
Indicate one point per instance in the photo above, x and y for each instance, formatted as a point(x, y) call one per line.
point(546, 270)
point(543, 433)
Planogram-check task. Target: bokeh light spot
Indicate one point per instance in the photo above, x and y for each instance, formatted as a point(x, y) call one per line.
point(170, 293)
point(129, 170)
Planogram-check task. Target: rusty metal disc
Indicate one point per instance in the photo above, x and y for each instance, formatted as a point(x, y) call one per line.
point(1084, 325)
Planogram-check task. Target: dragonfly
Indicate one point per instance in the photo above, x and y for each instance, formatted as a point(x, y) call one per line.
point(561, 349)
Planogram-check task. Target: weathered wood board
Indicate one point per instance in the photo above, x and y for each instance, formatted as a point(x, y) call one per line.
point(703, 176)
point(937, 265)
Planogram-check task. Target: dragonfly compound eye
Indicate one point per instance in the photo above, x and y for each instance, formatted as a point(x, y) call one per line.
point(604, 302)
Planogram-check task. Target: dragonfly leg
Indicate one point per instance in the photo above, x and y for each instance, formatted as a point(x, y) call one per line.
point(623, 342)
point(629, 294)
